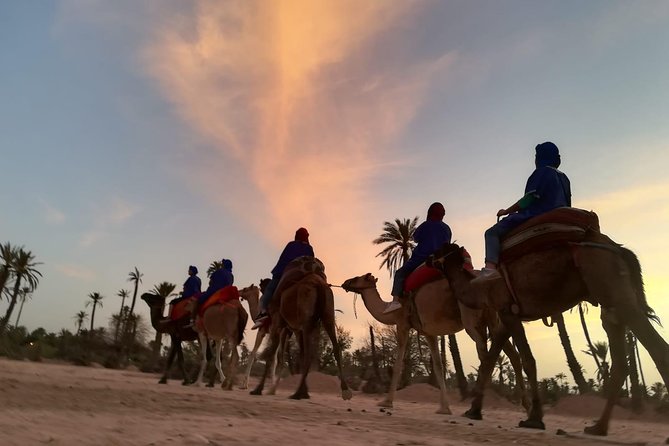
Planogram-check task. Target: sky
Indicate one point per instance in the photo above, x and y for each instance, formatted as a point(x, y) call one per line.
point(160, 134)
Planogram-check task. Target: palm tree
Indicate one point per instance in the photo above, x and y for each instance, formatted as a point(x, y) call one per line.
point(79, 320)
point(601, 350)
point(23, 268)
point(123, 294)
point(572, 362)
point(398, 236)
point(658, 389)
point(7, 254)
point(95, 300)
point(165, 290)
point(134, 276)
point(25, 291)
point(213, 267)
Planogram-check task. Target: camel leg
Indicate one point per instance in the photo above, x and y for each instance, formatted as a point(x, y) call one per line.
point(499, 338)
point(278, 362)
point(252, 358)
point(616, 334)
point(402, 339)
point(330, 328)
point(170, 359)
point(302, 392)
point(182, 366)
point(203, 361)
point(217, 350)
point(651, 340)
point(439, 372)
point(536, 415)
point(232, 365)
point(517, 365)
point(269, 363)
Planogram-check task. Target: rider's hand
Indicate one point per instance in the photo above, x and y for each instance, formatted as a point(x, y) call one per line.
point(502, 212)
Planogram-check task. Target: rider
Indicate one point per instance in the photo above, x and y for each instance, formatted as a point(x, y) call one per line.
point(297, 248)
point(546, 189)
point(219, 279)
point(192, 287)
point(430, 235)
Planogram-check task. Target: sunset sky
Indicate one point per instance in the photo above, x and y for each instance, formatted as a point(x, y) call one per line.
point(160, 134)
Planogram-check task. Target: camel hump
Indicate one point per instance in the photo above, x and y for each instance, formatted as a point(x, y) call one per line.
point(305, 265)
point(548, 230)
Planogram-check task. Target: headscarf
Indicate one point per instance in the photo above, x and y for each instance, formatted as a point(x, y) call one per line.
point(436, 212)
point(227, 264)
point(302, 235)
point(547, 154)
point(192, 269)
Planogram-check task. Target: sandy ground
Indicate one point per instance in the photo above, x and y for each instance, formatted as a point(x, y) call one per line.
point(67, 405)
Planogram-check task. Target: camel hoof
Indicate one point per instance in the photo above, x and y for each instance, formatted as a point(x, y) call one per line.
point(299, 396)
point(271, 391)
point(255, 392)
point(210, 385)
point(473, 414)
point(346, 394)
point(595, 430)
point(185, 382)
point(532, 424)
point(444, 411)
point(162, 381)
point(385, 403)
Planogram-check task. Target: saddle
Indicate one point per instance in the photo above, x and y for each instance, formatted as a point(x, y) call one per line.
point(228, 294)
point(180, 308)
point(425, 274)
point(554, 228)
point(297, 269)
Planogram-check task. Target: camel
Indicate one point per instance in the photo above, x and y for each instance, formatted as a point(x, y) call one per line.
point(550, 282)
point(299, 307)
point(178, 330)
point(439, 313)
point(222, 322)
point(252, 295)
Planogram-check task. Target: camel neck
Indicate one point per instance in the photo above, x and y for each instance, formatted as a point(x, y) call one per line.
point(375, 305)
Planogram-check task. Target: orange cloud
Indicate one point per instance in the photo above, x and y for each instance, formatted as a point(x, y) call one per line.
point(301, 116)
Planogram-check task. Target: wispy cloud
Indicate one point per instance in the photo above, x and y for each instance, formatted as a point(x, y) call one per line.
point(51, 214)
point(108, 215)
point(75, 271)
point(301, 114)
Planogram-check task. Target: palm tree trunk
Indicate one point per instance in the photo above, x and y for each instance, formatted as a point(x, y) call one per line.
point(18, 317)
point(581, 314)
point(90, 332)
point(118, 322)
point(12, 303)
point(375, 358)
point(635, 388)
point(157, 343)
point(638, 360)
point(572, 362)
point(457, 365)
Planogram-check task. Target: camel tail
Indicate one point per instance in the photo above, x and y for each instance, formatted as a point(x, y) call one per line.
point(241, 324)
point(637, 282)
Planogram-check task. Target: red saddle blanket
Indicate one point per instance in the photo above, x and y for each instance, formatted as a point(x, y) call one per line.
point(425, 274)
point(548, 230)
point(179, 309)
point(224, 295)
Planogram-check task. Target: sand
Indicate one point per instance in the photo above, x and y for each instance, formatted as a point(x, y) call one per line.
point(59, 404)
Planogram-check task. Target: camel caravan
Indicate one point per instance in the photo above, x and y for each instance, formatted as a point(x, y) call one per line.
point(542, 259)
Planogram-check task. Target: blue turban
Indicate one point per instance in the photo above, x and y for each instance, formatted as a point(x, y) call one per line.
point(227, 264)
point(193, 268)
point(547, 154)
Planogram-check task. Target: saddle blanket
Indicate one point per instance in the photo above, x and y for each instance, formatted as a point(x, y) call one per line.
point(231, 303)
point(222, 296)
point(425, 274)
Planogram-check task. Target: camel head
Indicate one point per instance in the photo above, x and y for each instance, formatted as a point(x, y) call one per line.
point(357, 284)
point(448, 256)
point(153, 300)
point(249, 293)
point(263, 284)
